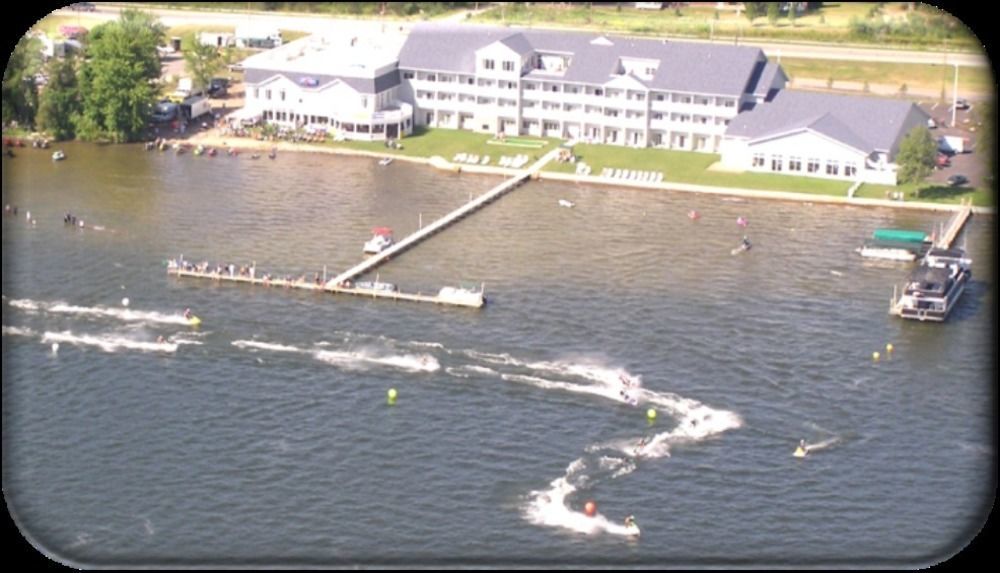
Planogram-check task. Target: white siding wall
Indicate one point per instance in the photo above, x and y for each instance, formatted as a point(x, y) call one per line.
point(805, 146)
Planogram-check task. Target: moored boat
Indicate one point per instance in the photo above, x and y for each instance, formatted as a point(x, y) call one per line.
point(935, 286)
point(380, 241)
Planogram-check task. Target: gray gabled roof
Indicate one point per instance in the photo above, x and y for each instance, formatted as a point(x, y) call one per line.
point(865, 123)
point(518, 43)
point(687, 67)
point(764, 77)
point(361, 85)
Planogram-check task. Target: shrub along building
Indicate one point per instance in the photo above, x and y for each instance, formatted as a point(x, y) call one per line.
point(600, 89)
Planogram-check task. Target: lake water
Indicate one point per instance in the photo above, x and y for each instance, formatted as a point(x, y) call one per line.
point(263, 436)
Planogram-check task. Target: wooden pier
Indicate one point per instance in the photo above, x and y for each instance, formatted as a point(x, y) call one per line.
point(470, 301)
point(424, 232)
point(955, 226)
point(340, 285)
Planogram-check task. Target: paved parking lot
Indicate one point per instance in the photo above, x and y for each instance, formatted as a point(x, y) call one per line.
point(969, 164)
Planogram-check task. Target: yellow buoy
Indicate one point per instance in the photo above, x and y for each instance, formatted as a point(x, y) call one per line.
point(391, 396)
point(651, 414)
point(875, 355)
point(799, 452)
point(888, 347)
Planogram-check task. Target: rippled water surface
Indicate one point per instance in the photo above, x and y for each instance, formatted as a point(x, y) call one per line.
point(263, 436)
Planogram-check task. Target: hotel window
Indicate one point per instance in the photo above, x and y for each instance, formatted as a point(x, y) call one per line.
point(775, 163)
point(832, 167)
point(850, 169)
point(512, 85)
point(555, 88)
point(282, 94)
point(267, 94)
point(471, 81)
point(729, 103)
point(659, 97)
point(256, 93)
point(431, 78)
point(758, 159)
point(549, 125)
point(813, 165)
point(795, 164)
point(489, 64)
point(657, 116)
point(598, 92)
point(529, 87)
point(508, 66)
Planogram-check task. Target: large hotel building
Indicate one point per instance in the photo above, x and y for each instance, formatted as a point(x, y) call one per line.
point(700, 97)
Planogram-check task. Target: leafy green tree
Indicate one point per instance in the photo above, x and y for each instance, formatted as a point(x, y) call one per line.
point(754, 10)
point(20, 94)
point(917, 153)
point(202, 61)
point(773, 11)
point(116, 79)
point(59, 107)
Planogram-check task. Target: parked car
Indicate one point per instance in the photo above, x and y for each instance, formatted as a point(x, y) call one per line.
point(218, 87)
point(957, 180)
point(82, 7)
point(943, 160)
point(961, 103)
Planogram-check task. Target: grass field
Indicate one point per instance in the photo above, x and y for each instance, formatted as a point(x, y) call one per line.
point(933, 193)
point(449, 142)
point(926, 77)
point(692, 167)
point(831, 23)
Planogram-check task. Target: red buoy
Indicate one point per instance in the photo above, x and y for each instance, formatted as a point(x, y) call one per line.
point(590, 508)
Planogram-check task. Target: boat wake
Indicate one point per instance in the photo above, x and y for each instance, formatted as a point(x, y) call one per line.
point(355, 359)
point(552, 507)
point(117, 313)
point(17, 331)
point(109, 343)
point(362, 359)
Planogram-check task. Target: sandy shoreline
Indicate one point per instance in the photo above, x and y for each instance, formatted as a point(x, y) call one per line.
point(212, 139)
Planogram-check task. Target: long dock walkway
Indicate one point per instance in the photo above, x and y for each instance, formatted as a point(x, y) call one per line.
point(470, 299)
point(414, 238)
point(955, 226)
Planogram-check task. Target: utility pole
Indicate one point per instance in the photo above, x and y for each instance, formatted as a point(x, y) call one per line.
point(954, 97)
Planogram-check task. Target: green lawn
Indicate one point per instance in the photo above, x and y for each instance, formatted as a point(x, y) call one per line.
point(448, 142)
point(692, 167)
point(929, 77)
point(929, 192)
point(51, 23)
point(831, 23)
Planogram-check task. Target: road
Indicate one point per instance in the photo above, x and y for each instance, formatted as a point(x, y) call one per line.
point(368, 27)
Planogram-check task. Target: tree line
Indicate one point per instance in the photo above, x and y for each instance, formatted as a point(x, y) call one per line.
point(105, 93)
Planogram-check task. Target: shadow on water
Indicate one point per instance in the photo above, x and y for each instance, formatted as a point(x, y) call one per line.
point(971, 302)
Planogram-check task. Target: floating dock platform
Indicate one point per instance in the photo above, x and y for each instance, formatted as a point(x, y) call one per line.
point(448, 296)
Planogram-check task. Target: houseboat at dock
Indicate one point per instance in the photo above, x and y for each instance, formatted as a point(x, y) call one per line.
point(934, 287)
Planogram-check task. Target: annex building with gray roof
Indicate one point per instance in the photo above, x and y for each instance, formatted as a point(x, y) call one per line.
point(822, 135)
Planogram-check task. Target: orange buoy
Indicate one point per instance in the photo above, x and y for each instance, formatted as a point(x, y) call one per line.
point(590, 508)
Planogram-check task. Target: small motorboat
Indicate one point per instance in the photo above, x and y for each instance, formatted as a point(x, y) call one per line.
point(565, 203)
point(58, 155)
point(385, 161)
point(380, 241)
